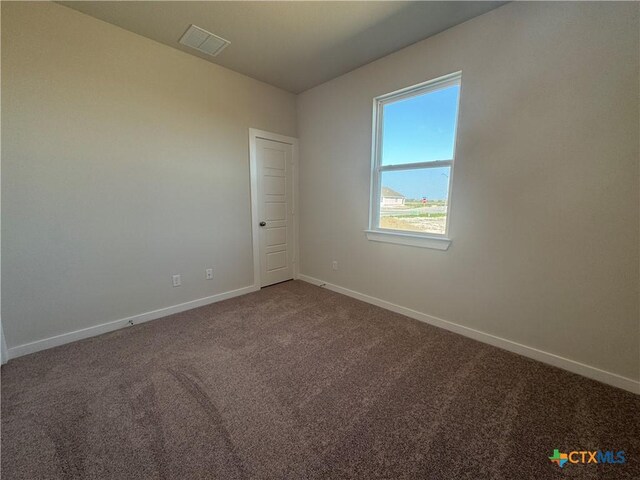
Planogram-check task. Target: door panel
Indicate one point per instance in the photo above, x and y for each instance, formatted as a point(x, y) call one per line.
point(275, 211)
point(276, 236)
point(275, 187)
point(276, 261)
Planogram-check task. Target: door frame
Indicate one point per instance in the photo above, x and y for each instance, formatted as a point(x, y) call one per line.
point(254, 135)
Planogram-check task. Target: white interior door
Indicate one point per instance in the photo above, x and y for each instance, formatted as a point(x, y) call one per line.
point(274, 163)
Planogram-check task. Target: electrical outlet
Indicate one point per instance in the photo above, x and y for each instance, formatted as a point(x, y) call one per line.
point(334, 265)
point(177, 280)
point(209, 273)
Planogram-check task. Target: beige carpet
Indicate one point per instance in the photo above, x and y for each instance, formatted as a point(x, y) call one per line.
point(298, 382)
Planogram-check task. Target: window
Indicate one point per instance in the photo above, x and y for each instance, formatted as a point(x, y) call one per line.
point(413, 153)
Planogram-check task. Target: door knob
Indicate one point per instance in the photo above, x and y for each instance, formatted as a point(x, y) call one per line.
point(262, 224)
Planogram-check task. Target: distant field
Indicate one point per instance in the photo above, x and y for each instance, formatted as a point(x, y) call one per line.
point(422, 215)
point(417, 203)
point(424, 223)
point(415, 216)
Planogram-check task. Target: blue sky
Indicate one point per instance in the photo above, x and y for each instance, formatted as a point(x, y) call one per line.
point(420, 129)
point(432, 183)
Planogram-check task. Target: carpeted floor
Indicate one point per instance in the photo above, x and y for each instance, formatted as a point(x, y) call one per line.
point(299, 382)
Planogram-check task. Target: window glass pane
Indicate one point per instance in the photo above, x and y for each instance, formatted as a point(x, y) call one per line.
point(420, 128)
point(415, 200)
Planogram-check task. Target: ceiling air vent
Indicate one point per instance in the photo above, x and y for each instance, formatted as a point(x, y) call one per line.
point(203, 41)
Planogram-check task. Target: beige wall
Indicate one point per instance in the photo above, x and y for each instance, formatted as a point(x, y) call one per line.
point(545, 191)
point(123, 162)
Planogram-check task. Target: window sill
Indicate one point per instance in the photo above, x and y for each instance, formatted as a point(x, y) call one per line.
point(422, 241)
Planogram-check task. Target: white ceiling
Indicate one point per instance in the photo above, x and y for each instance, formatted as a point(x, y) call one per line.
point(292, 45)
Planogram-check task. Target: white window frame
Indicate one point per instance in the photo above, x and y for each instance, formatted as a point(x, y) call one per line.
point(403, 237)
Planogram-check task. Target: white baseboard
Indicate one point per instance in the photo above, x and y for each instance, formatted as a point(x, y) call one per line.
point(4, 352)
point(540, 355)
point(51, 342)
